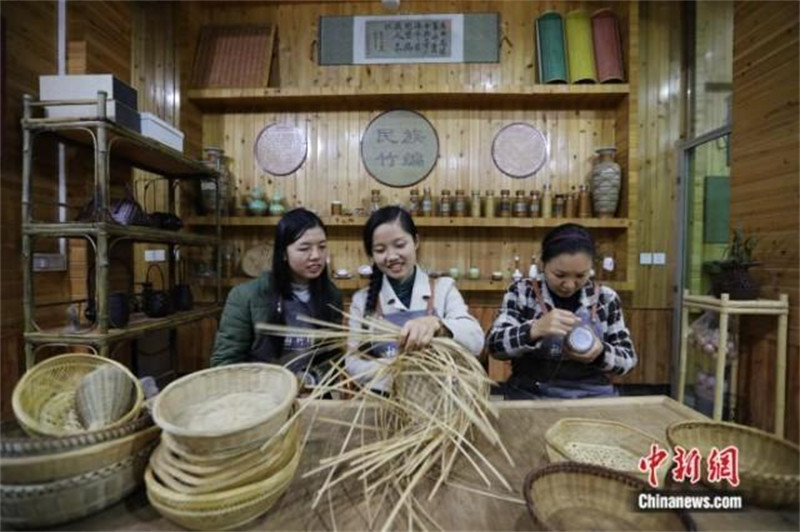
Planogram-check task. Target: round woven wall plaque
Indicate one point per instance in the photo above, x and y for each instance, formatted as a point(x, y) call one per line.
point(399, 148)
point(281, 148)
point(257, 259)
point(519, 150)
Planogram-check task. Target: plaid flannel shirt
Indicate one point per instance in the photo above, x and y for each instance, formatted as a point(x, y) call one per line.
point(509, 337)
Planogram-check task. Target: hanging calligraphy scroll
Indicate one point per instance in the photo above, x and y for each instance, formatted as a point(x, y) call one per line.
point(399, 148)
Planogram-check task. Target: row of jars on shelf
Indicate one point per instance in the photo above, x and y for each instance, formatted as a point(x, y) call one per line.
point(574, 204)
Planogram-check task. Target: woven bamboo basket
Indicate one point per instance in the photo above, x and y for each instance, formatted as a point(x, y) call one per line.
point(217, 459)
point(44, 398)
point(573, 496)
point(222, 510)
point(55, 466)
point(209, 389)
point(184, 478)
point(768, 465)
point(50, 503)
point(28, 446)
point(604, 443)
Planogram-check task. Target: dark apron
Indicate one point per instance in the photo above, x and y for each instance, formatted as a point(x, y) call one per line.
point(389, 349)
point(553, 350)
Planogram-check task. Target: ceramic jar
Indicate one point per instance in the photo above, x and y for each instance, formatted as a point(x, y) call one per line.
point(606, 183)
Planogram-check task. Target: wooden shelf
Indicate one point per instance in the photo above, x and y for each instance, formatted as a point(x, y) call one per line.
point(124, 144)
point(350, 221)
point(138, 325)
point(132, 232)
point(464, 285)
point(472, 96)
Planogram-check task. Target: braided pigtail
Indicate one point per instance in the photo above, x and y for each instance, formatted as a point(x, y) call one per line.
point(375, 282)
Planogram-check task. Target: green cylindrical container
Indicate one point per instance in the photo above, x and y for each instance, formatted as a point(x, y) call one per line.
point(580, 50)
point(550, 49)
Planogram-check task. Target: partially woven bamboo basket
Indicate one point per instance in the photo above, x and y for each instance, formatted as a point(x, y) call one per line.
point(213, 385)
point(35, 446)
point(609, 444)
point(768, 465)
point(44, 398)
point(51, 503)
point(191, 481)
point(225, 509)
point(573, 496)
point(55, 466)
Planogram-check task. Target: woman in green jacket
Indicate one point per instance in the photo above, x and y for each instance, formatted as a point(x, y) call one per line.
point(297, 285)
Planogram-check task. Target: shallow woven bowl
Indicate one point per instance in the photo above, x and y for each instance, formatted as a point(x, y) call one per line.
point(598, 442)
point(44, 398)
point(214, 383)
point(572, 496)
point(768, 465)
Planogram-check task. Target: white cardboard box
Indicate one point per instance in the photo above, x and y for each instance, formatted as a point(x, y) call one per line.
point(85, 87)
point(164, 132)
point(115, 111)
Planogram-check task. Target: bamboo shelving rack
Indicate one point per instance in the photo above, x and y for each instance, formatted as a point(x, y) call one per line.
point(726, 308)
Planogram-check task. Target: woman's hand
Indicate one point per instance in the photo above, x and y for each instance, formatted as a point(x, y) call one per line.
point(557, 322)
point(419, 333)
point(589, 356)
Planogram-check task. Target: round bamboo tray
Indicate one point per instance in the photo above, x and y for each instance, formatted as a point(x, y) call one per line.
point(185, 478)
point(44, 400)
point(170, 406)
point(573, 496)
point(50, 467)
point(51, 503)
point(28, 446)
point(604, 443)
point(768, 465)
point(223, 510)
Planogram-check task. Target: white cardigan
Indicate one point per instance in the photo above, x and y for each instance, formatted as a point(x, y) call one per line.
point(449, 307)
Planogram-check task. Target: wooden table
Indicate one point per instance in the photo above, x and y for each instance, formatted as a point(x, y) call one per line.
point(522, 425)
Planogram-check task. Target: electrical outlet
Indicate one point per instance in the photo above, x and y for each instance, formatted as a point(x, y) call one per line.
point(155, 255)
point(645, 258)
point(660, 258)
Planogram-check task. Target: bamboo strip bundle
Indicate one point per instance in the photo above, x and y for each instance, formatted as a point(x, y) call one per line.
point(439, 399)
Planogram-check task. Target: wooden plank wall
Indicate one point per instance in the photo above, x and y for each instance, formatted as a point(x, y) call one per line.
point(103, 31)
point(765, 189)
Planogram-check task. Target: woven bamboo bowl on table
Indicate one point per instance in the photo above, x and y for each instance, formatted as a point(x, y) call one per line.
point(51, 503)
point(573, 496)
point(171, 406)
point(604, 443)
point(44, 400)
point(768, 465)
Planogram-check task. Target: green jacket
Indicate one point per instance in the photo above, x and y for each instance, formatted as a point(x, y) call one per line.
point(248, 304)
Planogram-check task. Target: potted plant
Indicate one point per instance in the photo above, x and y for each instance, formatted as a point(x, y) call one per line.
point(731, 275)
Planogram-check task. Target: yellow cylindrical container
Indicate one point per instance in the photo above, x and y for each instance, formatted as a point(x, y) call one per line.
point(580, 50)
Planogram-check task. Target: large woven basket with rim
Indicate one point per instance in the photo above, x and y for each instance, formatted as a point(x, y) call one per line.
point(23, 445)
point(44, 398)
point(573, 496)
point(225, 509)
point(768, 465)
point(50, 503)
point(55, 466)
point(171, 406)
point(604, 443)
point(189, 480)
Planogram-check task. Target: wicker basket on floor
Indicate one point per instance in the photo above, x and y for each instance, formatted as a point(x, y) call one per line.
point(55, 466)
point(44, 398)
point(604, 443)
point(50, 503)
point(573, 496)
point(207, 386)
point(768, 465)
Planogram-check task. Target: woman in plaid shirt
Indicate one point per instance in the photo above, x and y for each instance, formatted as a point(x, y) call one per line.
point(538, 314)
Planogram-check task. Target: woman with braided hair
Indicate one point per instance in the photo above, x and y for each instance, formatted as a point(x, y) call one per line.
point(537, 317)
point(401, 293)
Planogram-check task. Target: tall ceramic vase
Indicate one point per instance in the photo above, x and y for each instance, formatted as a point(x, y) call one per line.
point(606, 183)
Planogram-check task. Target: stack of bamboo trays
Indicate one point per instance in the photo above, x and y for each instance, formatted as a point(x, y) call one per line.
point(63, 470)
point(227, 453)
